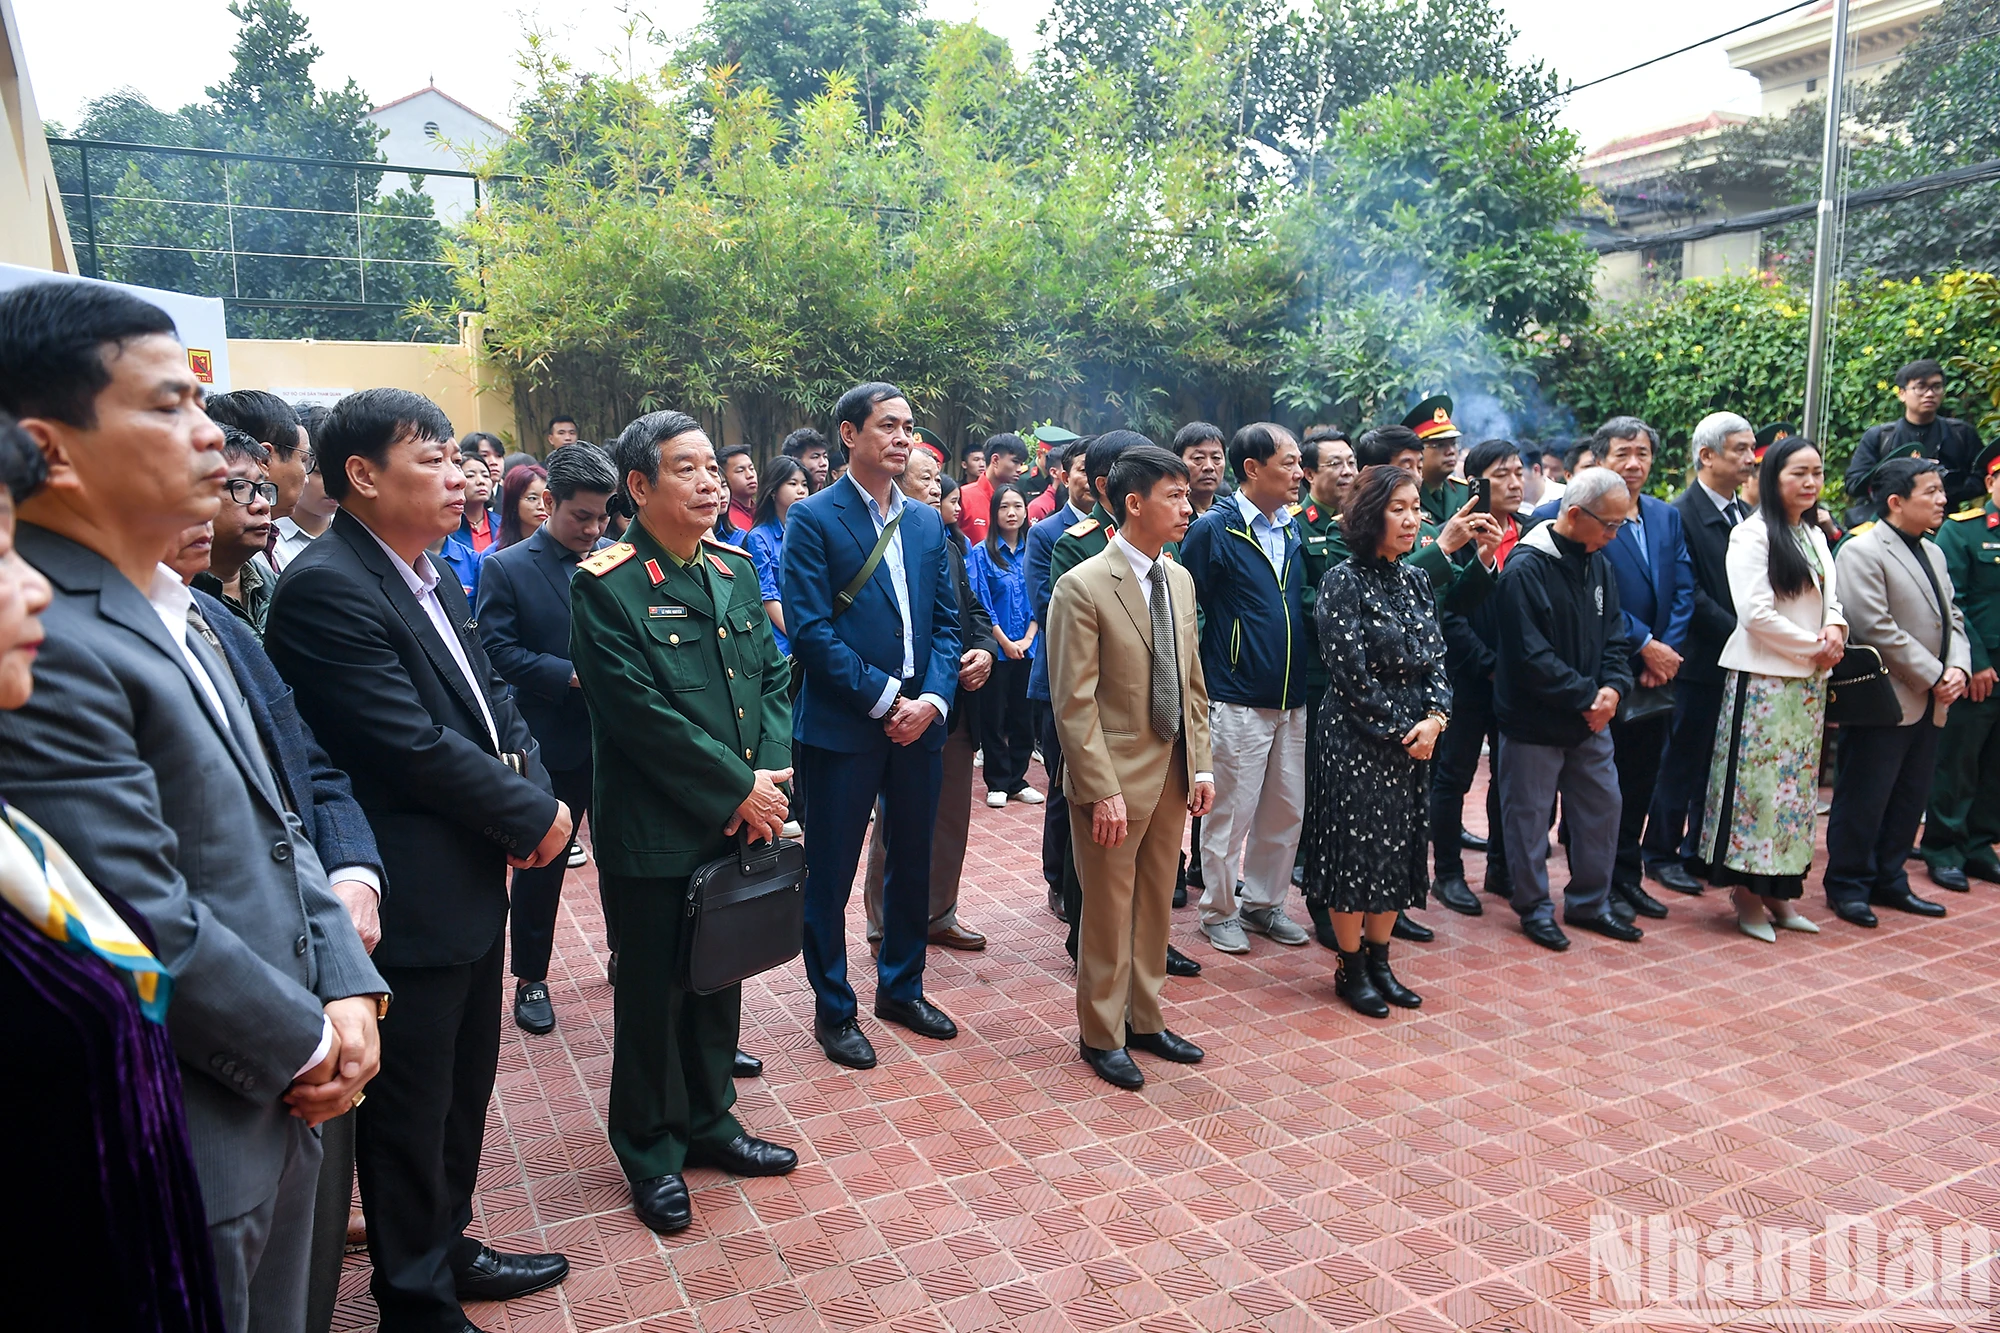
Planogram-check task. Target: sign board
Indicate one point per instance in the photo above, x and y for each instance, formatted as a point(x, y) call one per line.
point(197, 319)
point(303, 397)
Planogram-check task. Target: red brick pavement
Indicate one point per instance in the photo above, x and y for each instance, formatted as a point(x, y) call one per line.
point(1434, 1171)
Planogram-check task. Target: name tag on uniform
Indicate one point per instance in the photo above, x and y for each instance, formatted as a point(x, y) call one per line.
point(666, 613)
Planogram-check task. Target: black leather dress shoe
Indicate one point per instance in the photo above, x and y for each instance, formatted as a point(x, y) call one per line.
point(1856, 914)
point(1056, 907)
point(1604, 924)
point(1180, 965)
point(744, 1156)
point(1675, 876)
point(1165, 1045)
point(1472, 842)
point(1642, 902)
point(1414, 931)
point(1951, 877)
point(745, 1065)
point(1906, 902)
point(1455, 893)
point(469, 1327)
point(844, 1045)
point(662, 1203)
point(1114, 1067)
point(1545, 932)
point(1180, 895)
point(493, 1276)
point(611, 971)
point(1621, 909)
point(1986, 871)
point(919, 1016)
point(532, 1010)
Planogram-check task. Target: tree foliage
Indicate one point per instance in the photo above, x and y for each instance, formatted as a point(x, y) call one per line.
point(789, 47)
point(1739, 345)
point(172, 222)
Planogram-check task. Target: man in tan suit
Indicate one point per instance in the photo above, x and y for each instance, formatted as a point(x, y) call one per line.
point(1132, 711)
point(1897, 596)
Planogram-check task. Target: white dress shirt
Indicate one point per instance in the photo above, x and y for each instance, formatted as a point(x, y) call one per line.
point(892, 559)
point(1269, 532)
point(292, 542)
point(1142, 569)
point(171, 601)
point(423, 586)
point(1716, 498)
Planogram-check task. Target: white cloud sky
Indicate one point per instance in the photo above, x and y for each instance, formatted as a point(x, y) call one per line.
point(77, 51)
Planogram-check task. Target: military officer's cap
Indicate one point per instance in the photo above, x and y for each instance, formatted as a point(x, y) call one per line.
point(1874, 479)
point(930, 441)
point(1052, 435)
point(1771, 434)
point(1431, 419)
point(1987, 463)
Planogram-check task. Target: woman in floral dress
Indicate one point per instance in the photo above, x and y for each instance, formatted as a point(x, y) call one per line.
point(1757, 832)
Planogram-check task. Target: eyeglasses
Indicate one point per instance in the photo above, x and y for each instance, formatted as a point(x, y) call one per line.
point(1610, 525)
point(244, 491)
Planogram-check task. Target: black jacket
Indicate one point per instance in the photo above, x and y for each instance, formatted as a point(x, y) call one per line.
point(380, 690)
point(1472, 638)
point(1707, 534)
point(1947, 441)
point(524, 624)
point(1562, 639)
point(976, 627)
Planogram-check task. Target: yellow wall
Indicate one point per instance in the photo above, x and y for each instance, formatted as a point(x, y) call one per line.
point(474, 397)
point(33, 232)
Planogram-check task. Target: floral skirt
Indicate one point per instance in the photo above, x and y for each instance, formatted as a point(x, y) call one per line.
point(1763, 783)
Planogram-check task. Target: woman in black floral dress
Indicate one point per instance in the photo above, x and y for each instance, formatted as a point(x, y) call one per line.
point(1379, 722)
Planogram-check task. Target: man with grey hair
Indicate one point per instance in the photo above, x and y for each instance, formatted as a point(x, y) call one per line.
point(1725, 455)
point(524, 623)
point(1562, 666)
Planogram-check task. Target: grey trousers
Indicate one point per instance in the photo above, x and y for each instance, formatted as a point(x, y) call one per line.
point(1587, 779)
point(334, 1197)
point(263, 1257)
point(954, 822)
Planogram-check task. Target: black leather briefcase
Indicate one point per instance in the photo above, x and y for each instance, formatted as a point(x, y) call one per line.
point(746, 913)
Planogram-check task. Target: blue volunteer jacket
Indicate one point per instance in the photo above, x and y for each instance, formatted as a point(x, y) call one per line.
point(1254, 641)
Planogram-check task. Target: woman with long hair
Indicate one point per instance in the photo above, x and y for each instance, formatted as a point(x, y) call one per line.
point(998, 570)
point(523, 503)
point(1757, 832)
point(1388, 701)
point(785, 483)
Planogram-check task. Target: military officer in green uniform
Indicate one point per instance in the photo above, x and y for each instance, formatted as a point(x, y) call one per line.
point(1963, 818)
point(1440, 493)
point(692, 723)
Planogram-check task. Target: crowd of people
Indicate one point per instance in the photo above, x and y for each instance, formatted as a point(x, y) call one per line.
point(285, 696)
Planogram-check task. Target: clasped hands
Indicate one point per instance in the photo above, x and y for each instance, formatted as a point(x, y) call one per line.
point(333, 1086)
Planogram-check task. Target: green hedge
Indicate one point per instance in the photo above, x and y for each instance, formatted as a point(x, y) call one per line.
point(1739, 345)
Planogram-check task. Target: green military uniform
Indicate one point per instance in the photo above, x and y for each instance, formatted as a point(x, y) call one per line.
point(687, 695)
point(1444, 500)
point(1963, 819)
point(1432, 423)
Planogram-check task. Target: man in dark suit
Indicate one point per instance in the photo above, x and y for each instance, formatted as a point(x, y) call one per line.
point(1725, 450)
point(880, 657)
point(138, 755)
point(524, 624)
point(1656, 594)
point(375, 637)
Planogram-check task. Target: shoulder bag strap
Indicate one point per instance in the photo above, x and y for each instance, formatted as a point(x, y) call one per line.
point(845, 597)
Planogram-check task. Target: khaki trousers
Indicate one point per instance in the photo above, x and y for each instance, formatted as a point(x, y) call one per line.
point(954, 823)
point(1128, 895)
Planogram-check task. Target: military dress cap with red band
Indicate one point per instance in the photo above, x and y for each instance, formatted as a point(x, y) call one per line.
point(1770, 435)
point(1431, 419)
point(930, 441)
point(1988, 462)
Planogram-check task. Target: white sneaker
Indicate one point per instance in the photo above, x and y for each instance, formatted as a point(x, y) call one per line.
point(995, 799)
point(578, 856)
point(1227, 936)
point(1028, 796)
point(1273, 922)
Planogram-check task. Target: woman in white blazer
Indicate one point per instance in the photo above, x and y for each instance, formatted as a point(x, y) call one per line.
point(1757, 833)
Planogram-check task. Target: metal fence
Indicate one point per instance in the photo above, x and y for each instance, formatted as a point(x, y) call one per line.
point(265, 232)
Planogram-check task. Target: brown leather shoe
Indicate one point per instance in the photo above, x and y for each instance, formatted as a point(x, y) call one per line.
point(958, 937)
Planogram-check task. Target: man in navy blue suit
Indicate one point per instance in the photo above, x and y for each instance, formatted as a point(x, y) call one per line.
point(1649, 556)
point(524, 623)
point(880, 663)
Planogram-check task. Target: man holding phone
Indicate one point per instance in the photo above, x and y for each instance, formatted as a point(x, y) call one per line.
point(1438, 491)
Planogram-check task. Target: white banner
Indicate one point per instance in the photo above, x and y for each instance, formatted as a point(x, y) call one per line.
point(198, 319)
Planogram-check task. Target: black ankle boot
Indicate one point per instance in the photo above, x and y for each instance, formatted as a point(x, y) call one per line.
point(1322, 918)
point(1351, 984)
point(1392, 990)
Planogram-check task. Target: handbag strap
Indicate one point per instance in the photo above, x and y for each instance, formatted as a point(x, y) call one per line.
point(845, 597)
